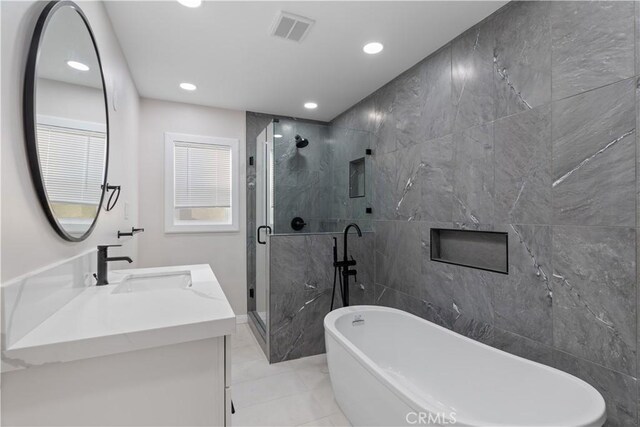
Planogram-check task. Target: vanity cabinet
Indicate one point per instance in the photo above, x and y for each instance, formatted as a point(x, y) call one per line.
point(151, 348)
point(176, 385)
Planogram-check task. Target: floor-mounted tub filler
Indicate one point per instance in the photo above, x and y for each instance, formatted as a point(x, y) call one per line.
point(389, 367)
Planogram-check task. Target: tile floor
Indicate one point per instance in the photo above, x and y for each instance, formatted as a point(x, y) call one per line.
point(293, 393)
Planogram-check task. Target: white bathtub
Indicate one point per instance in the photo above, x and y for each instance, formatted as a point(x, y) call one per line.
point(390, 368)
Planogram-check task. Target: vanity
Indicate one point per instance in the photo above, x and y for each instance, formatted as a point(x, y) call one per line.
point(82, 345)
point(150, 348)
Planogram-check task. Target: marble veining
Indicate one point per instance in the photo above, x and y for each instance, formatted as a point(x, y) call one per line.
point(595, 289)
point(593, 156)
point(437, 110)
point(301, 289)
point(398, 184)
point(594, 167)
point(592, 45)
point(537, 267)
point(29, 300)
point(517, 200)
point(407, 187)
point(523, 171)
point(526, 123)
point(600, 317)
point(105, 320)
point(473, 187)
point(522, 57)
point(504, 76)
point(465, 78)
point(539, 140)
point(472, 77)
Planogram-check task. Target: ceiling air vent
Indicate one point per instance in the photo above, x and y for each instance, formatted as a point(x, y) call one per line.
point(291, 27)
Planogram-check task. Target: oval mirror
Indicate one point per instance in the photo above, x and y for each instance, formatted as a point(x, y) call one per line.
point(66, 122)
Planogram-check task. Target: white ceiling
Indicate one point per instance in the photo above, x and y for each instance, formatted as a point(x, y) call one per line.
point(226, 49)
point(67, 38)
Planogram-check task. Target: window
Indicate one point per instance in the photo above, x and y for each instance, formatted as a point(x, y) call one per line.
point(72, 158)
point(201, 184)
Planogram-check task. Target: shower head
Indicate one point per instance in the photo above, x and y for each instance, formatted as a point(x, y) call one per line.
point(301, 142)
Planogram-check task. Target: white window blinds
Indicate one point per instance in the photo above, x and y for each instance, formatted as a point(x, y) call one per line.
point(202, 175)
point(72, 163)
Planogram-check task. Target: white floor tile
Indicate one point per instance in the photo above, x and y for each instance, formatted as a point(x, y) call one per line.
point(287, 411)
point(257, 369)
point(250, 393)
point(314, 376)
point(246, 353)
point(242, 337)
point(292, 393)
point(319, 361)
point(322, 422)
point(323, 394)
point(339, 419)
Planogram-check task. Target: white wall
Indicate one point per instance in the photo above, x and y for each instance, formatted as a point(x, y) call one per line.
point(225, 252)
point(82, 103)
point(28, 241)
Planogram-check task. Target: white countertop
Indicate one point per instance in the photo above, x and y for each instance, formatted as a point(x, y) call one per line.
point(100, 322)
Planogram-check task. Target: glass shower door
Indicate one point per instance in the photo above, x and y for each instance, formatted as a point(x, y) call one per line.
point(264, 222)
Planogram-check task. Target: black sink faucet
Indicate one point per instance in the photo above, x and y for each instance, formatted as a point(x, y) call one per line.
point(103, 259)
point(346, 262)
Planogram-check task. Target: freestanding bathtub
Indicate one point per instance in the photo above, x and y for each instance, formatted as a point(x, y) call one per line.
point(389, 368)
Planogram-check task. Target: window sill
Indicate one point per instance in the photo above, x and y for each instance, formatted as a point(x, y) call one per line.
point(190, 229)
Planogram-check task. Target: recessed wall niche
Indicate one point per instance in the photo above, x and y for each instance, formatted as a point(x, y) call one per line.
point(356, 178)
point(483, 250)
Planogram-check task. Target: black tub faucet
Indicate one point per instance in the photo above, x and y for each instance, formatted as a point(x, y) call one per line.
point(346, 263)
point(103, 259)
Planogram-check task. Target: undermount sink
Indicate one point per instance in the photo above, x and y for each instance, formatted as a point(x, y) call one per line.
point(140, 309)
point(154, 282)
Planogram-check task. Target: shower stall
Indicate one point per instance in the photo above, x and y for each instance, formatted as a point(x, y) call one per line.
point(305, 181)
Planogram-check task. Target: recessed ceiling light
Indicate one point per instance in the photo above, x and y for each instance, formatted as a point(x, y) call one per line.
point(187, 86)
point(373, 48)
point(277, 135)
point(310, 105)
point(78, 65)
point(190, 3)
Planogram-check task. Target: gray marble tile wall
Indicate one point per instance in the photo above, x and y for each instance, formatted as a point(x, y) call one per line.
point(301, 281)
point(302, 176)
point(346, 146)
point(313, 182)
point(255, 124)
point(526, 123)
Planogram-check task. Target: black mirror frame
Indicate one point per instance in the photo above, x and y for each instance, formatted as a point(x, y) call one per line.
point(29, 116)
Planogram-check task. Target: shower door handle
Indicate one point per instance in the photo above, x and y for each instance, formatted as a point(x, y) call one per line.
point(266, 227)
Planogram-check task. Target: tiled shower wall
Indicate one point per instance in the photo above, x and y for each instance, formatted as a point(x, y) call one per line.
point(302, 176)
point(526, 123)
point(313, 183)
point(286, 160)
point(301, 289)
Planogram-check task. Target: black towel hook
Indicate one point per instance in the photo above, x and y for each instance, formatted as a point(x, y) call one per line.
point(111, 203)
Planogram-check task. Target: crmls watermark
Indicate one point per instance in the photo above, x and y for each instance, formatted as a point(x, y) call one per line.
point(428, 418)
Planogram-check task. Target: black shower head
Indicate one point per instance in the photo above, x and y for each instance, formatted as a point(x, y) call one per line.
point(301, 142)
